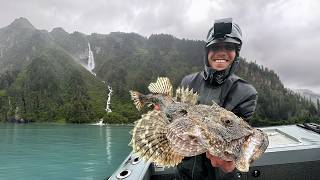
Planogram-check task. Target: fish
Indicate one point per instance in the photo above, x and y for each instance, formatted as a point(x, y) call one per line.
point(178, 127)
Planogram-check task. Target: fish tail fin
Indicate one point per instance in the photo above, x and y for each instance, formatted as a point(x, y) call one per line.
point(186, 95)
point(162, 86)
point(137, 99)
point(149, 140)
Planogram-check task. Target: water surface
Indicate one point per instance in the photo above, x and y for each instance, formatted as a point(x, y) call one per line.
point(51, 151)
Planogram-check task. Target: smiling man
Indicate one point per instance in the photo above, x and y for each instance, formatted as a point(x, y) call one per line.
point(221, 55)
point(217, 82)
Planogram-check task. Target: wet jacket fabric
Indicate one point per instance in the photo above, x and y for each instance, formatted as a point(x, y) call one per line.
point(236, 95)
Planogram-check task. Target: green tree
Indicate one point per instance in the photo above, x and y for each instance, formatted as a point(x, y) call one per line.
point(79, 109)
point(114, 118)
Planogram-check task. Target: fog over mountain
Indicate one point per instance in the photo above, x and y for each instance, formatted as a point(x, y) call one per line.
point(281, 35)
point(309, 95)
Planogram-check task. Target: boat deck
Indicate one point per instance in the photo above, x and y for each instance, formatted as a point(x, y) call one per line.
point(293, 153)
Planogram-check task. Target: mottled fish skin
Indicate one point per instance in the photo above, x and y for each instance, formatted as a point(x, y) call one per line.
point(182, 128)
point(183, 137)
point(221, 133)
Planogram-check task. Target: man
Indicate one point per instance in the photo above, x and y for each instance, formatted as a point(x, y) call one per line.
point(217, 82)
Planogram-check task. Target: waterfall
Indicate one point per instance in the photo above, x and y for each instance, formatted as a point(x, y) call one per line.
point(91, 64)
point(108, 109)
point(109, 99)
point(90, 67)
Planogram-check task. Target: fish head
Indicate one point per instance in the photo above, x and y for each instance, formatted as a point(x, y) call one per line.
point(222, 125)
point(233, 139)
point(159, 98)
point(229, 126)
point(158, 101)
point(151, 100)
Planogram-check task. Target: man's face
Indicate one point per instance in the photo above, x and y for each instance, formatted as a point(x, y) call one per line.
point(221, 55)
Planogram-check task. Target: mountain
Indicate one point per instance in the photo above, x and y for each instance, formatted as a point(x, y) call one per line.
point(42, 76)
point(59, 34)
point(309, 95)
point(21, 24)
point(40, 81)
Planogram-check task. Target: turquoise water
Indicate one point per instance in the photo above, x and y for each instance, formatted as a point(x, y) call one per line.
point(50, 151)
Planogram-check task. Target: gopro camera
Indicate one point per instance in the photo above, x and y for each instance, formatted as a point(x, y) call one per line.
point(222, 27)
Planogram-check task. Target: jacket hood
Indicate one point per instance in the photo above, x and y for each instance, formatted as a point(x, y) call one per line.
point(215, 77)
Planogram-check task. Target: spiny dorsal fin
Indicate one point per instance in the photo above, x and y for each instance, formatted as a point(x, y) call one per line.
point(135, 96)
point(149, 140)
point(162, 86)
point(186, 96)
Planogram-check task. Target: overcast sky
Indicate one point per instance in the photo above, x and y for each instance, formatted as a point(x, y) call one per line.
point(283, 35)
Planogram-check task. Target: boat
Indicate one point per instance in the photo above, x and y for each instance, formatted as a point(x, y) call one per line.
point(293, 153)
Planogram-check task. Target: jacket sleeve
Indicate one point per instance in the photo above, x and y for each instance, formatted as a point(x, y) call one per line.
point(246, 108)
point(242, 99)
point(186, 81)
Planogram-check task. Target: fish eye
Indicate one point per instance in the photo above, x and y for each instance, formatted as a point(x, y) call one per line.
point(150, 105)
point(183, 112)
point(192, 137)
point(226, 121)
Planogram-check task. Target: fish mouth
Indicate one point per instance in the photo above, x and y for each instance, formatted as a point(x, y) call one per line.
point(234, 148)
point(253, 147)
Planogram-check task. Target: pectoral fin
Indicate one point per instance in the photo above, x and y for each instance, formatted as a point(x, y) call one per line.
point(149, 140)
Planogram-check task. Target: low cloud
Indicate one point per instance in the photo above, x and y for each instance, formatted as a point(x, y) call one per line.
point(282, 35)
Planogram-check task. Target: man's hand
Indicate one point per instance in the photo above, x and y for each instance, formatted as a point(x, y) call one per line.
point(226, 166)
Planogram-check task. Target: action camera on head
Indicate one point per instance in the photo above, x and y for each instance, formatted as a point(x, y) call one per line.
point(222, 27)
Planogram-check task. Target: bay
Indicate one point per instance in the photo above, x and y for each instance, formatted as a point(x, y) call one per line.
point(55, 151)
